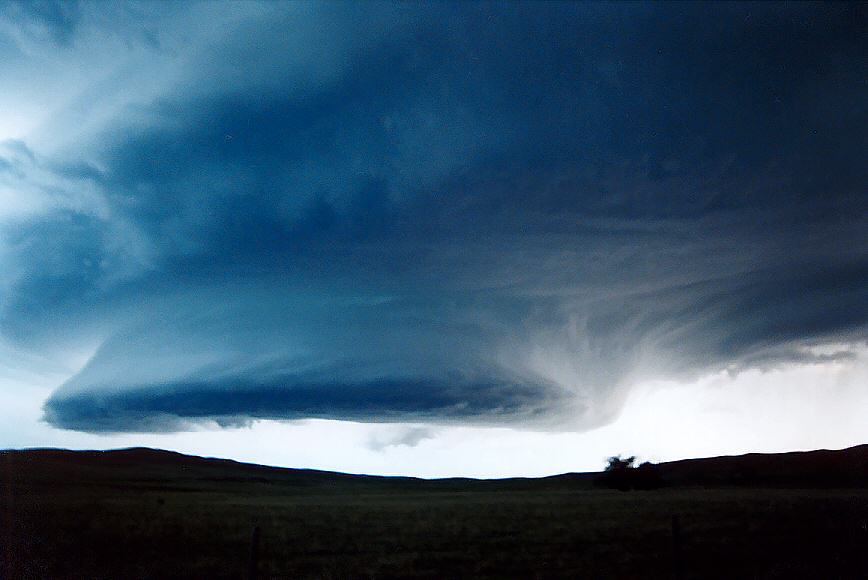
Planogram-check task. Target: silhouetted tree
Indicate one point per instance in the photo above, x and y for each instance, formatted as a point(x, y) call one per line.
point(616, 463)
point(617, 473)
point(621, 473)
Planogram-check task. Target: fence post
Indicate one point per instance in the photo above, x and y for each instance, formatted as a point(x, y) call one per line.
point(253, 568)
point(677, 564)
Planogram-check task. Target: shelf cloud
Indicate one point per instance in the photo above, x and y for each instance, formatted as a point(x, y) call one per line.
point(486, 214)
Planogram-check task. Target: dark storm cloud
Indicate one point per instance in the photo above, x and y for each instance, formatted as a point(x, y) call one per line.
point(458, 213)
point(447, 399)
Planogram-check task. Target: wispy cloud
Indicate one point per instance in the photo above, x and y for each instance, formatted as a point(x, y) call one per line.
point(400, 437)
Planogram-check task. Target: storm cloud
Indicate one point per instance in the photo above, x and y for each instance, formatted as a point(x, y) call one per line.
point(450, 213)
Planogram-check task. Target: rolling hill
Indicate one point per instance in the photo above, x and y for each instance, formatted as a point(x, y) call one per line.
point(820, 468)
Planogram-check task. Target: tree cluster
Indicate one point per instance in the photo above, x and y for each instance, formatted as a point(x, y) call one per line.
point(623, 474)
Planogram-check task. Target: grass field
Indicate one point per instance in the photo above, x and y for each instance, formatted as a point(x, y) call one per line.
point(156, 515)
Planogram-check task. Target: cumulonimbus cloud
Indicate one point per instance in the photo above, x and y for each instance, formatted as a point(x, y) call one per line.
point(507, 227)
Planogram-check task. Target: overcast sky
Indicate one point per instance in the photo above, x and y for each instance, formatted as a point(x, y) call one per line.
point(434, 239)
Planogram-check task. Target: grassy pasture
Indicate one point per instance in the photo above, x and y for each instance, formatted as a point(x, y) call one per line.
point(175, 517)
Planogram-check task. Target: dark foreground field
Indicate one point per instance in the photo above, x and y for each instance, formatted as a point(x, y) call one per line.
point(150, 514)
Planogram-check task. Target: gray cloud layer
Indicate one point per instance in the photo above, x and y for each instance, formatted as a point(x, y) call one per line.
point(487, 213)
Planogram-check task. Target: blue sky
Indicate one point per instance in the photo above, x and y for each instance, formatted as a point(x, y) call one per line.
point(400, 227)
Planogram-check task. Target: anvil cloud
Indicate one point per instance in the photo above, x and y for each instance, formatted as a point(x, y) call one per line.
point(486, 214)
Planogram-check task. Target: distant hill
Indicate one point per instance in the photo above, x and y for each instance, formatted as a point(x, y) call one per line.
point(139, 466)
point(820, 468)
point(144, 467)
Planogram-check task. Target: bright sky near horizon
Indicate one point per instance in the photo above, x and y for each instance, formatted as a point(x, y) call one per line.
point(439, 239)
